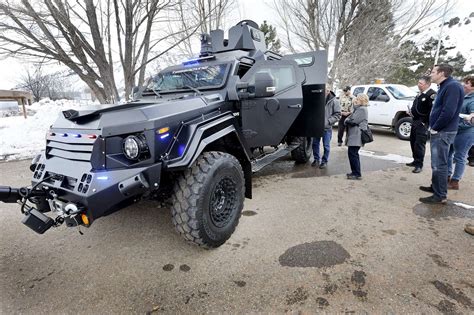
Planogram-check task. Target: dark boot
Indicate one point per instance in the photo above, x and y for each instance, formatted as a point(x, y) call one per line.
point(453, 184)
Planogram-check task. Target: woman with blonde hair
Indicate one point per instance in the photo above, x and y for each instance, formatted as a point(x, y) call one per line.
point(356, 122)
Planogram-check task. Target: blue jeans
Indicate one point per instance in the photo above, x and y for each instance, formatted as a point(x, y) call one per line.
point(440, 144)
point(354, 160)
point(458, 153)
point(326, 144)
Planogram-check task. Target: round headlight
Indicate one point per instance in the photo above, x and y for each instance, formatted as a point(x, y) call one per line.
point(131, 147)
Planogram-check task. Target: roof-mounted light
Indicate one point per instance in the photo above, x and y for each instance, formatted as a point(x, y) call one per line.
point(196, 61)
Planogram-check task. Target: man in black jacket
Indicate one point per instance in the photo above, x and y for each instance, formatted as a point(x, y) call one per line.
point(420, 111)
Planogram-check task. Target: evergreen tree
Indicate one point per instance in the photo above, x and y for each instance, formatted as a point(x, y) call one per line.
point(271, 40)
point(417, 61)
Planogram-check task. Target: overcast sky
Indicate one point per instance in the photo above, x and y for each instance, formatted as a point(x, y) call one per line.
point(11, 69)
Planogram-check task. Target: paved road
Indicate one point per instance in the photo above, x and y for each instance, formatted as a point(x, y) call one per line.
point(309, 241)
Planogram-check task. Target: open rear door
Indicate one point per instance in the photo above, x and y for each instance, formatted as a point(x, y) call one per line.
point(310, 121)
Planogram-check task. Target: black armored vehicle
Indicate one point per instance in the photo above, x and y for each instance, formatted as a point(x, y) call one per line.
point(192, 136)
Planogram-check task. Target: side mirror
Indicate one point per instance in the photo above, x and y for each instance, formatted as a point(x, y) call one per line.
point(135, 91)
point(264, 84)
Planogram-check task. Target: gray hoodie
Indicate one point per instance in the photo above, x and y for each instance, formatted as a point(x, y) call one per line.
point(332, 111)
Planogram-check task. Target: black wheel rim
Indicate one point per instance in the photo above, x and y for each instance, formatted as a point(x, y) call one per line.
point(223, 202)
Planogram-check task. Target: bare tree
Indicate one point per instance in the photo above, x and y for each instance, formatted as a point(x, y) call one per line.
point(327, 24)
point(91, 36)
point(35, 82)
point(54, 85)
point(208, 14)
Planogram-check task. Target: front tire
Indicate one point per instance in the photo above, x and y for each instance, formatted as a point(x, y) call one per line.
point(302, 153)
point(403, 128)
point(208, 199)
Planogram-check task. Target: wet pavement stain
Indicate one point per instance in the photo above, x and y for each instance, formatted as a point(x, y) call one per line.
point(360, 294)
point(168, 267)
point(438, 260)
point(184, 268)
point(391, 232)
point(358, 279)
point(446, 307)
point(200, 294)
point(338, 165)
point(330, 288)
point(297, 296)
point(315, 254)
point(453, 293)
point(240, 284)
point(249, 213)
point(442, 211)
point(322, 302)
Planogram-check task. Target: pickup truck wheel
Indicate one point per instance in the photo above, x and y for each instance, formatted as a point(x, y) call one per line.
point(208, 199)
point(302, 153)
point(403, 128)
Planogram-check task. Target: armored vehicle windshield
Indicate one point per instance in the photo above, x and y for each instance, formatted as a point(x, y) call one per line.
point(200, 76)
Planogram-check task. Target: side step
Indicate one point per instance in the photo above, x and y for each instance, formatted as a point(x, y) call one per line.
point(282, 150)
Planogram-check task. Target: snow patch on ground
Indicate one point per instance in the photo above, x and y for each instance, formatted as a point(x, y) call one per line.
point(463, 205)
point(390, 157)
point(22, 138)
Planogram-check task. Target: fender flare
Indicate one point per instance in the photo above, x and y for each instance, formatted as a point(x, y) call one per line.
point(226, 125)
point(204, 134)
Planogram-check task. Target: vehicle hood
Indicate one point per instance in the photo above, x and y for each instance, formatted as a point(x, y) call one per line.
point(131, 117)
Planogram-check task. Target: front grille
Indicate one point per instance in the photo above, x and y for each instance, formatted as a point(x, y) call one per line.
point(75, 149)
point(66, 182)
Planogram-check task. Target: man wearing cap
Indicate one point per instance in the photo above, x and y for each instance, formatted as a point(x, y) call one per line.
point(346, 109)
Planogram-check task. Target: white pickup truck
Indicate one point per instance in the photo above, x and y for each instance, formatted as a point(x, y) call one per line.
point(388, 105)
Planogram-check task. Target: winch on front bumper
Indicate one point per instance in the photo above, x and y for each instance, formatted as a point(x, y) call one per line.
point(78, 196)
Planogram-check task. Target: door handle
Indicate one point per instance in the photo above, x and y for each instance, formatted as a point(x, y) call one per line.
point(294, 106)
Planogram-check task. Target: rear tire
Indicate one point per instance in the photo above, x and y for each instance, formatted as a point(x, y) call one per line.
point(208, 199)
point(302, 153)
point(403, 128)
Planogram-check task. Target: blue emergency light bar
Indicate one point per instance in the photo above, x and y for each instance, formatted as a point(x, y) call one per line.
point(196, 61)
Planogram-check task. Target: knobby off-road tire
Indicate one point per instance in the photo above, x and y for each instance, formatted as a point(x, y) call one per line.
point(208, 199)
point(302, 154)
point(403, 128)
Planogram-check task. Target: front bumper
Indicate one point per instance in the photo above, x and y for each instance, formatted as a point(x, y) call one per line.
point(95, 193)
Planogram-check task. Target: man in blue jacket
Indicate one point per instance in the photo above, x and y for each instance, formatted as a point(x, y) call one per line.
point(444, 120)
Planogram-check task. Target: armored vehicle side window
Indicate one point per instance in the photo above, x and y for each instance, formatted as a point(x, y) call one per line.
point(284, 76)
point(204, 76)
point(305, 61)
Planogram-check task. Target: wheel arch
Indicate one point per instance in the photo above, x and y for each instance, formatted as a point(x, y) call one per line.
point(399, 115)
point(222, 135)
